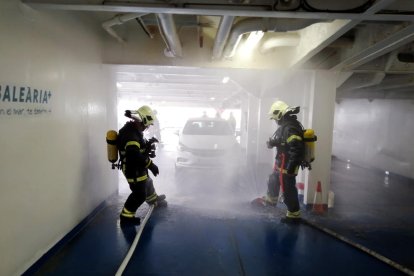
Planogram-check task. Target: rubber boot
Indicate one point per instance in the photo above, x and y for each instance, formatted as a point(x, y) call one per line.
point(125, 221)
point(161, 202)
point(289, 220)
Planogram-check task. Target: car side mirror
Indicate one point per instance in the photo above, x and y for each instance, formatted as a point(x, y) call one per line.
point(177, 132)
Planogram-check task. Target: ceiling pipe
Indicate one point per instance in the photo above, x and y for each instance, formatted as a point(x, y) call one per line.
point(226, 22)
point(265, 25)
point(169, 33)
point(118, 20)
point(144, 27)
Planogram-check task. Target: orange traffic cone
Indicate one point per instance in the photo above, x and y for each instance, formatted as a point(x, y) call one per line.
point(317, 200)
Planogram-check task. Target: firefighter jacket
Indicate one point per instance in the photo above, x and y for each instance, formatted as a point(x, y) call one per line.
point(132, 151)
point(288, 140)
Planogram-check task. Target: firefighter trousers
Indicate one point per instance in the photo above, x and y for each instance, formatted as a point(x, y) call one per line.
point(290, 192)
point(141, 191)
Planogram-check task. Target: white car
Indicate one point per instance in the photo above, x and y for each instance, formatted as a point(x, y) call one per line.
point(207, 143)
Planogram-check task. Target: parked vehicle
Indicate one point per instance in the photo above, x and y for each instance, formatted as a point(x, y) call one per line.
point(207, 143)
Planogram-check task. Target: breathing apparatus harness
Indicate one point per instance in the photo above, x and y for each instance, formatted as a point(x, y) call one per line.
point(112, 149)
point(308, 137)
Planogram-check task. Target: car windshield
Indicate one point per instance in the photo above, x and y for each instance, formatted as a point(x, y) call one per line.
point(206, 127)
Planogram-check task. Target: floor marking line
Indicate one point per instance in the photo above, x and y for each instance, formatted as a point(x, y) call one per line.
point(368, 251)
point(361, 247)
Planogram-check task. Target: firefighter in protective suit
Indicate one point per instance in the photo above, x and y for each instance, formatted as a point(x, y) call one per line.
point(135, 155)
point(288, 140)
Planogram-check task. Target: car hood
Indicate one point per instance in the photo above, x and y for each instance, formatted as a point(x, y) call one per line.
point(208, 142)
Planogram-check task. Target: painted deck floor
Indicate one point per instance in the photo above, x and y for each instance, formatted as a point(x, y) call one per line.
point(210, 229)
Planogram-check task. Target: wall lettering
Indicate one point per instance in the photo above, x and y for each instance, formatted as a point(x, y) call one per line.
point(24, 101)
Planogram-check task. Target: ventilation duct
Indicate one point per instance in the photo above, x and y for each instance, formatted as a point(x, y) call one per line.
point(286, 40)
point(226, 22)
point(265, 25)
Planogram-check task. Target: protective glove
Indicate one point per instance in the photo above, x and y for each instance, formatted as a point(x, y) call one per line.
point(271, 143)
point(128, 113)
point(153, 140)
point(268, 144)
point(154, 169)
point(151, 154)
point(150, 149)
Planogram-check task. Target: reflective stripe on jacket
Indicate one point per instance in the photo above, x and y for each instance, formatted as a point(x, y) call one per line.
point(290, 145)
point(131, 145)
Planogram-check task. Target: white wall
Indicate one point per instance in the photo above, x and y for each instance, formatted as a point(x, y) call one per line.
point(321, 110)
point(53, 167)
point(376, 134)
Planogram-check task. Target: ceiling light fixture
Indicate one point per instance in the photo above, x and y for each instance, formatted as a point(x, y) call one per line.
point(250, 43)
point(254, 38)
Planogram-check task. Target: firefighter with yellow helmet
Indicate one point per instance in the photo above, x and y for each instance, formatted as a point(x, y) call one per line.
point(135, 156)
point(288, 140)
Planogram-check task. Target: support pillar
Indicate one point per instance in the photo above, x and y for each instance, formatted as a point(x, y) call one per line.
point(321, 118)
point(252, 128)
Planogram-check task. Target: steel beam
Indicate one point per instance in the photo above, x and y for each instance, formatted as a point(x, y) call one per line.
point(50, 5)
point(385, 46)
point(306, 50)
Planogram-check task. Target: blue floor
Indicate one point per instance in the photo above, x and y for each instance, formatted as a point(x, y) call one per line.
point(188, 239)
point(183, 242)
point(373, 209)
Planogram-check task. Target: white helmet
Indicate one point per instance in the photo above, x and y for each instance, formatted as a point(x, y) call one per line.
point(277, 110)
point(145, 115)
point(280, 109)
